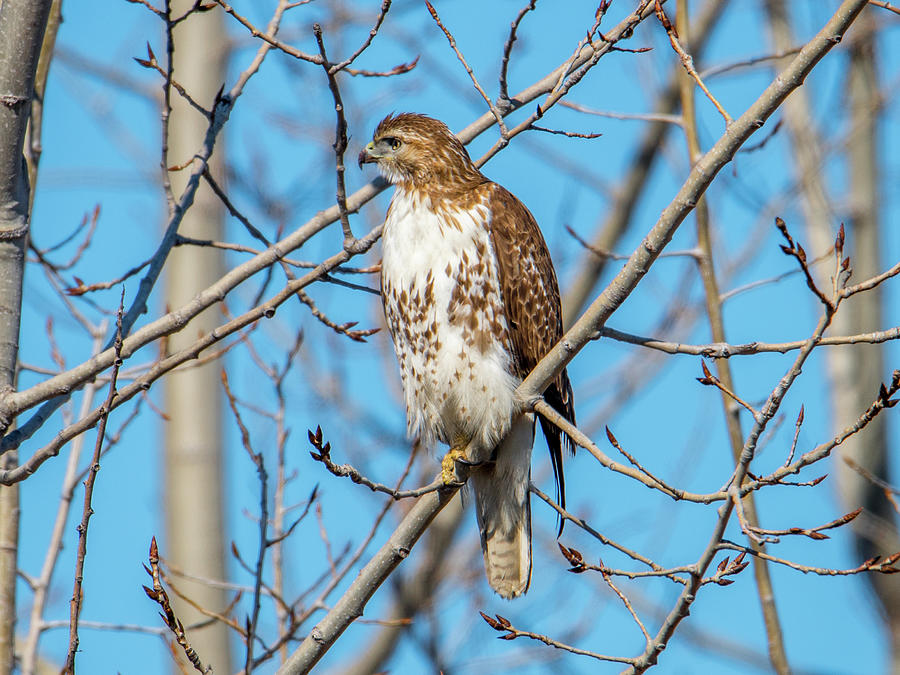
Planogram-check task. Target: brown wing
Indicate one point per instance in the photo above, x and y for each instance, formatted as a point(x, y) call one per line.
point(531, 299)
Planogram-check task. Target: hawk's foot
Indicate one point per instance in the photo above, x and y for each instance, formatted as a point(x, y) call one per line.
point(449, 473)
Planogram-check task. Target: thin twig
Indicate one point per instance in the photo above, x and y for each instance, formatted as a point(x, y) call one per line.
point(503, 625)
point(91, 223)
point(625, 601)
point(882, 565)
point(498, 116)
point(746, 63)
point(77, 592)
point(570, 134)
point(578, 565)
point(885, 5)
point(642, 117)
point(764, 140)
point(746, 527)
point(796, 251)
point(41, 585)
point(257, 459)
point(342, 328)
point(340, 133)
point(711, 380)
point(346, 471)
point(601, 253)
point(811, 532)
point(152, 64)
point(158, 594)
point(657, 570)
point(550, 413)
point(615, 443)
point(797, 426)
point(871, 283)
point(334, 68)
point(719, 350)
point(503, 98)
point(399, 69)
point(586, 55)
point(269, 36)
point(828, 255)
point(688, 61)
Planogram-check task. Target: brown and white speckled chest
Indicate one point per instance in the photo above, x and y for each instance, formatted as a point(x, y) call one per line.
point(445, 312)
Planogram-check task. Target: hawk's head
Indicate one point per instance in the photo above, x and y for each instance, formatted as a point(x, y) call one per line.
point(419, 151)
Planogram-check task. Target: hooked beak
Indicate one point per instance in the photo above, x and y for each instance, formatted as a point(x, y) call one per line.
point(365, 156)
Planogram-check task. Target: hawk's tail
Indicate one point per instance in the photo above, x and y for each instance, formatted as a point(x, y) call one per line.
point(503, 508)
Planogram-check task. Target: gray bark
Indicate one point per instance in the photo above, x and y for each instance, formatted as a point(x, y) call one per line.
point(22, 25)
point(193, 437)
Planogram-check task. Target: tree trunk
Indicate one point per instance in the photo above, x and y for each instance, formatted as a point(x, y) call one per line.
point(854, 372)
point(22, 24)
point(857, 372)
point(193, 436)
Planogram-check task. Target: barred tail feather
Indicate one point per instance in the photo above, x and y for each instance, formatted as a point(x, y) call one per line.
point(503, 508)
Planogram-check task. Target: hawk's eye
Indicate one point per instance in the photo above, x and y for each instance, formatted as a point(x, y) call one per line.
point(393, 142)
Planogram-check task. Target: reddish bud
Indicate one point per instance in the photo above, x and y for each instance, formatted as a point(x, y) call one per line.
point(779, 223)
point(851, 516)
point(490, 622)
point(611, 438)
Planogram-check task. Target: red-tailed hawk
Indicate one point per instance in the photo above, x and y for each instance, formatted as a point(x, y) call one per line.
point(472, 303)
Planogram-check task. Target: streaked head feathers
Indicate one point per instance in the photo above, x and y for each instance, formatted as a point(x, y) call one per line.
point(417, 151)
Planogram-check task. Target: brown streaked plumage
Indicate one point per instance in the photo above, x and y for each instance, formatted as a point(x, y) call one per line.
point(534, 310)
point(472, 303)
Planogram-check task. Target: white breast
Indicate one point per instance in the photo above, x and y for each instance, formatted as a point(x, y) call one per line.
point(444, 309)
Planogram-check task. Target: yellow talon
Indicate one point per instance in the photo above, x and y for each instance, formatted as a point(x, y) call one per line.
point(449, 474)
